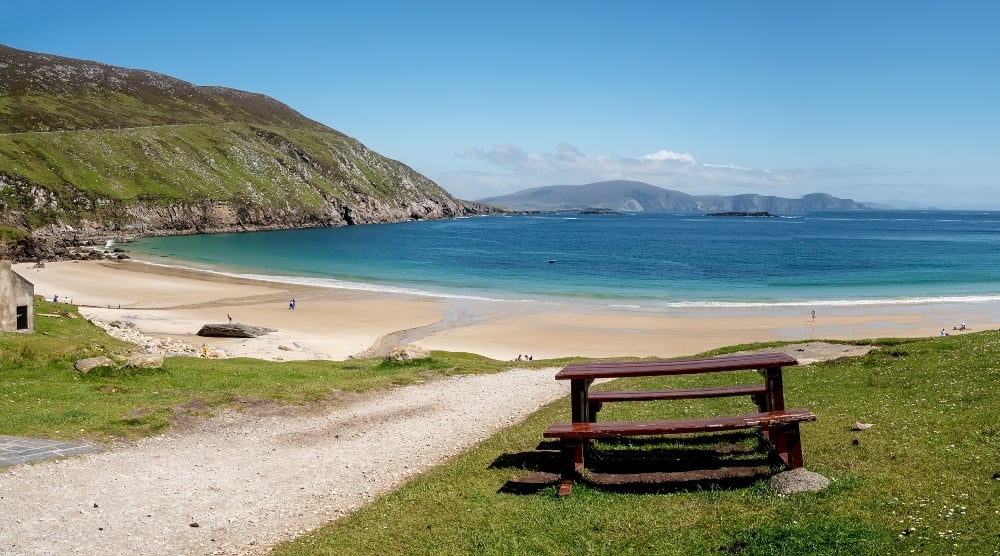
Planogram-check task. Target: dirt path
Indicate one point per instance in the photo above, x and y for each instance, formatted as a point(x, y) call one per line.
point(243, 482)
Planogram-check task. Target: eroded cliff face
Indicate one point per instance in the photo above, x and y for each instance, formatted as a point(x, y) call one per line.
point(47, 226)
point(65, 238)
point(50, 225)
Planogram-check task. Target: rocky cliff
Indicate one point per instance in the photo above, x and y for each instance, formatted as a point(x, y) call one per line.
point(90, 151)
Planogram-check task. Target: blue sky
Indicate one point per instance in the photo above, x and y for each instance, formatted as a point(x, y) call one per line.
point(875, 101)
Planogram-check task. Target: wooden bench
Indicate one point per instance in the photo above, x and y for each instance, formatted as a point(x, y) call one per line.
point(597, 398)
point(781, 428)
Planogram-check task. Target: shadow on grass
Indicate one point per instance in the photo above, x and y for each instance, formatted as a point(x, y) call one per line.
point(648, 465)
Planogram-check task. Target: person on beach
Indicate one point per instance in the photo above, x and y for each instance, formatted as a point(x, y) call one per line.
point(814, 316)
point(291, 304)
point(230, 317)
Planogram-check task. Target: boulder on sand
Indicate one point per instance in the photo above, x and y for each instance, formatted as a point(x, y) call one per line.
point(233, 331)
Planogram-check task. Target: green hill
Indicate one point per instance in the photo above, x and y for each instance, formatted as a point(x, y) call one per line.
point(90, 151)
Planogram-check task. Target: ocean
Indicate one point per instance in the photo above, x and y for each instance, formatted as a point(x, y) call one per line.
point(635, 259)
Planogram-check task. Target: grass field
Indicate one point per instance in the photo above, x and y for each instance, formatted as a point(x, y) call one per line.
point(44, 396)
point(925, 479)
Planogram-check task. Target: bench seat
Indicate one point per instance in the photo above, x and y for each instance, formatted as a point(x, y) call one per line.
point(781, 428)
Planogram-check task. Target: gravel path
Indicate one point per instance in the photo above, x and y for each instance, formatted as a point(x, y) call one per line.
point(243, 482)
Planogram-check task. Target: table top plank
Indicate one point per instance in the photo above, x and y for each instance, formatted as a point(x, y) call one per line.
point(658, 367)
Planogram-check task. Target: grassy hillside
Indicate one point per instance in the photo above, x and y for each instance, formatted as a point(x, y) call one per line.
point(88, 172)
point(98, 148)
point(41, 92)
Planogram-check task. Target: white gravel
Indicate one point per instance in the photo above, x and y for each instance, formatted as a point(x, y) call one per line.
point(243, 482)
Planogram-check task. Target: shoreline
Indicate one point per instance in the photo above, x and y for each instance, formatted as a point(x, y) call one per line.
point(173, 266)
point(164, 301)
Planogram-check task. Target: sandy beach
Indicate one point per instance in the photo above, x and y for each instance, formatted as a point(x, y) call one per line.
point(332, 323)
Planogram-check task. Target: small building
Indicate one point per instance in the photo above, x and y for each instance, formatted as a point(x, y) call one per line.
point(17, 301)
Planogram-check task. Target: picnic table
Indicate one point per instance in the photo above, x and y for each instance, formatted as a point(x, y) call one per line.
point(778, 425)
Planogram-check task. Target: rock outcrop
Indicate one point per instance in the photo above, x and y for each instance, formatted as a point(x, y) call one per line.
point(91, 363)
point(409, 352)
point(798, 480)
point(144, 361)
point(235, 330)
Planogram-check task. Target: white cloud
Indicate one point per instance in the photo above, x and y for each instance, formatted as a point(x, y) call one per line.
point(669, 155)
point(729, 167)
point(507, 168)
point(500, 155)
point(567, 152)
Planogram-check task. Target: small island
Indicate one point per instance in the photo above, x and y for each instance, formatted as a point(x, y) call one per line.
point(763, 214)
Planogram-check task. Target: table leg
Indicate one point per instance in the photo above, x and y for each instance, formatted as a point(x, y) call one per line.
point(578, 399)
point(774, 399)
point(571, 451)
point(775, 390)
point(788, 445)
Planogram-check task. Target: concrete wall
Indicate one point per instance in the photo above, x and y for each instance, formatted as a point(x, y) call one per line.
point(17, 301)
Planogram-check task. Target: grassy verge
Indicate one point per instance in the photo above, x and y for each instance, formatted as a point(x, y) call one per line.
point(43, 395)
point(922, 480)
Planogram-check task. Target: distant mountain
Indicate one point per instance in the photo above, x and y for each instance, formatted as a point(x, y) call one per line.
point(636, 196)
point(901, 204)
point(91, 151)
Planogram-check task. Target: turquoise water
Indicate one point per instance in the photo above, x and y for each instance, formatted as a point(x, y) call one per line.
point(639, 259)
